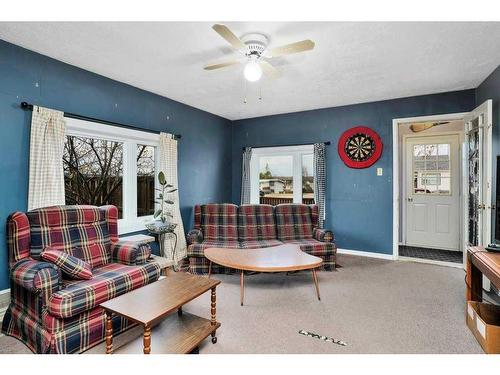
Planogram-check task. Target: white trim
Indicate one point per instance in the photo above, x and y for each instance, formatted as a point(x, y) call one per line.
point(395, 167)
point(430, 261)
point(131, 138)
point(365, 254)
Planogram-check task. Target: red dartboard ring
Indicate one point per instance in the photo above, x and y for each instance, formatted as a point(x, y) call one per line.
point(360, 147)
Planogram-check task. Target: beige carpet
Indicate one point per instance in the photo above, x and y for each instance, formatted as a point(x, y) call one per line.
point(375, 306)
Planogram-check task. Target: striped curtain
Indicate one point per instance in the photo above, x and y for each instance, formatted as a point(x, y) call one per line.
point(46, 175)
point(245, 176)
point(168, 164)
point(320, 180)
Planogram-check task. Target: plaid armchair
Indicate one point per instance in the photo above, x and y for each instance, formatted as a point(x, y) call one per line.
point(53, 314)
point(254, 226)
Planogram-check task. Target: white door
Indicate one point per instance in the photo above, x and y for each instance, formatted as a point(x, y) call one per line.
point(433, 192)
point(478, 129)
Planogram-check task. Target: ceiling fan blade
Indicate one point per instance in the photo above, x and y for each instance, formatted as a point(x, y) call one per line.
point(221, 64)
point(288, 49)
point(228, 35)
point(268, 69)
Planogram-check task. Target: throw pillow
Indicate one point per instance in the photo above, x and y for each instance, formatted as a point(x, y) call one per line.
point(71, 266)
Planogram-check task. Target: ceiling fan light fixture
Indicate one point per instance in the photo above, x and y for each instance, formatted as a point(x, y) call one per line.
point(252, 71)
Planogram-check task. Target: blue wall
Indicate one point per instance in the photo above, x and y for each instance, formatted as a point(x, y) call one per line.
point(359, 204)
point(31, 77)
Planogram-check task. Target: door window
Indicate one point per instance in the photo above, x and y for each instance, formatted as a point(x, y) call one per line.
point(431, 169)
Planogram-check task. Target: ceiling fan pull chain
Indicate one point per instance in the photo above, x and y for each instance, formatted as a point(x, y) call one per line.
point(260, 91)
point(244, 91)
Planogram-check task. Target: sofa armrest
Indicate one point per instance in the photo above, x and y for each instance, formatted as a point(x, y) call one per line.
point(323, 235)
point(130, 253)
point(36, 277)
point(194, 236)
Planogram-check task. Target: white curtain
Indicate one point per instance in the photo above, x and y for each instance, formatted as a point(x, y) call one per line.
point(46, 177)
point(168, 164)
point(320, 180)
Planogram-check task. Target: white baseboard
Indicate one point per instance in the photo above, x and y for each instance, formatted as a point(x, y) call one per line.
point(4, 302)
point(431, 261)
point(365, 254)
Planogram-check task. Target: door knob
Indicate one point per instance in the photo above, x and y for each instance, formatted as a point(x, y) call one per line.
point(410, 199)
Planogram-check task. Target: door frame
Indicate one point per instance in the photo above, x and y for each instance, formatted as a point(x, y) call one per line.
point(395, 171)
point(404, 187)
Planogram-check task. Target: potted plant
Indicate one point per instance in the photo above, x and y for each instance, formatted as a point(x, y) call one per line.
point(162, 223)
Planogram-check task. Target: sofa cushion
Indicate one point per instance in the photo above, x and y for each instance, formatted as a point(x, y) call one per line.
point(108, 281)
point(256, 222)
point(293, 221)
point(67, 227)
point(259, 244)
point(94, 254)
point(218, 222)
point(71, 266)
point(198, 249)
point(314, 247)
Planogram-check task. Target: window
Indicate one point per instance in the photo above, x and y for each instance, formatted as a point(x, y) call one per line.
point(105, 164)
point(431, 169)
point(282, 175)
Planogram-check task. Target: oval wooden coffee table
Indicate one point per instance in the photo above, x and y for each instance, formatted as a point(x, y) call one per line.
point(281, 258)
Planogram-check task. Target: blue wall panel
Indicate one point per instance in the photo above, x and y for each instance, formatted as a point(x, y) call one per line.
point(31, 77)
point(358, 204)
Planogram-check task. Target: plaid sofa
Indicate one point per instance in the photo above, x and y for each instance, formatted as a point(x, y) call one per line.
point(52, 314)
point(254, 226)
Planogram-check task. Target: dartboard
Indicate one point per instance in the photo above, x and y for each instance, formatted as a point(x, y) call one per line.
point(360, 147)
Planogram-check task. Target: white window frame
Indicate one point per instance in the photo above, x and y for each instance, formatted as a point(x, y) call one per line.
point(130, 138)
point(295, 151)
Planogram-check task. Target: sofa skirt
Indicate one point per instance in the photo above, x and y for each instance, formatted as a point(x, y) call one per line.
point(60, 336)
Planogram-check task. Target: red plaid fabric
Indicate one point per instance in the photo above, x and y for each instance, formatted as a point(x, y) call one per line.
point(67, 227)
point(194, 236)
point(108, 281)
point(259, 244)
point(93, 254)
point(293, 221)
point(198, 249)
point(18, 237)
point(218, 222)
point(200, 265)
point(313, 247)
point(36, 276)
point(71, 266)
point(256, 222)
point(323, 235)
point(130, 253)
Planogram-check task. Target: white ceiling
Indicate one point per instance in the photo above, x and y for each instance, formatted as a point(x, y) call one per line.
point(351, 63)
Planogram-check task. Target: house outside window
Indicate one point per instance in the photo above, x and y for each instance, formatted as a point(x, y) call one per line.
point(106, 164)
point(282, 175)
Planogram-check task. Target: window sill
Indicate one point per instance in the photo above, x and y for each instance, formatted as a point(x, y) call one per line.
point(135, 225)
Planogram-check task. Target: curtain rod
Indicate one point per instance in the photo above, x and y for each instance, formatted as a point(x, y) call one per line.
point(29, 107)
point(296, 144)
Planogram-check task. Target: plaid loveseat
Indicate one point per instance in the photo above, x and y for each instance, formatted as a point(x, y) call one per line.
point(254, 226)
point(53, 314)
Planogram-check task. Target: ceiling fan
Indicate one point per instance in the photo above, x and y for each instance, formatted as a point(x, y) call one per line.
point(426, 125)
point(255, 53)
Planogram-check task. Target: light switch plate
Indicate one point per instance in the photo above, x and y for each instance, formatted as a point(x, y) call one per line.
point(380, 171)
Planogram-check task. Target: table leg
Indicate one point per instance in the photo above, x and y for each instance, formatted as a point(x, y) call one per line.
point(213, 309)
point(147, 339)
point(179, 311)
point(209, 268)
point(242, 287)
point(109, 332)
point(315, 278)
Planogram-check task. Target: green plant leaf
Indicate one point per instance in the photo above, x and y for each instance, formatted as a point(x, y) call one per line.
point(169, 186)
point(160, 196)
point(161, 178)
point(157, 213)
point(172, 191)
point(168, 201)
